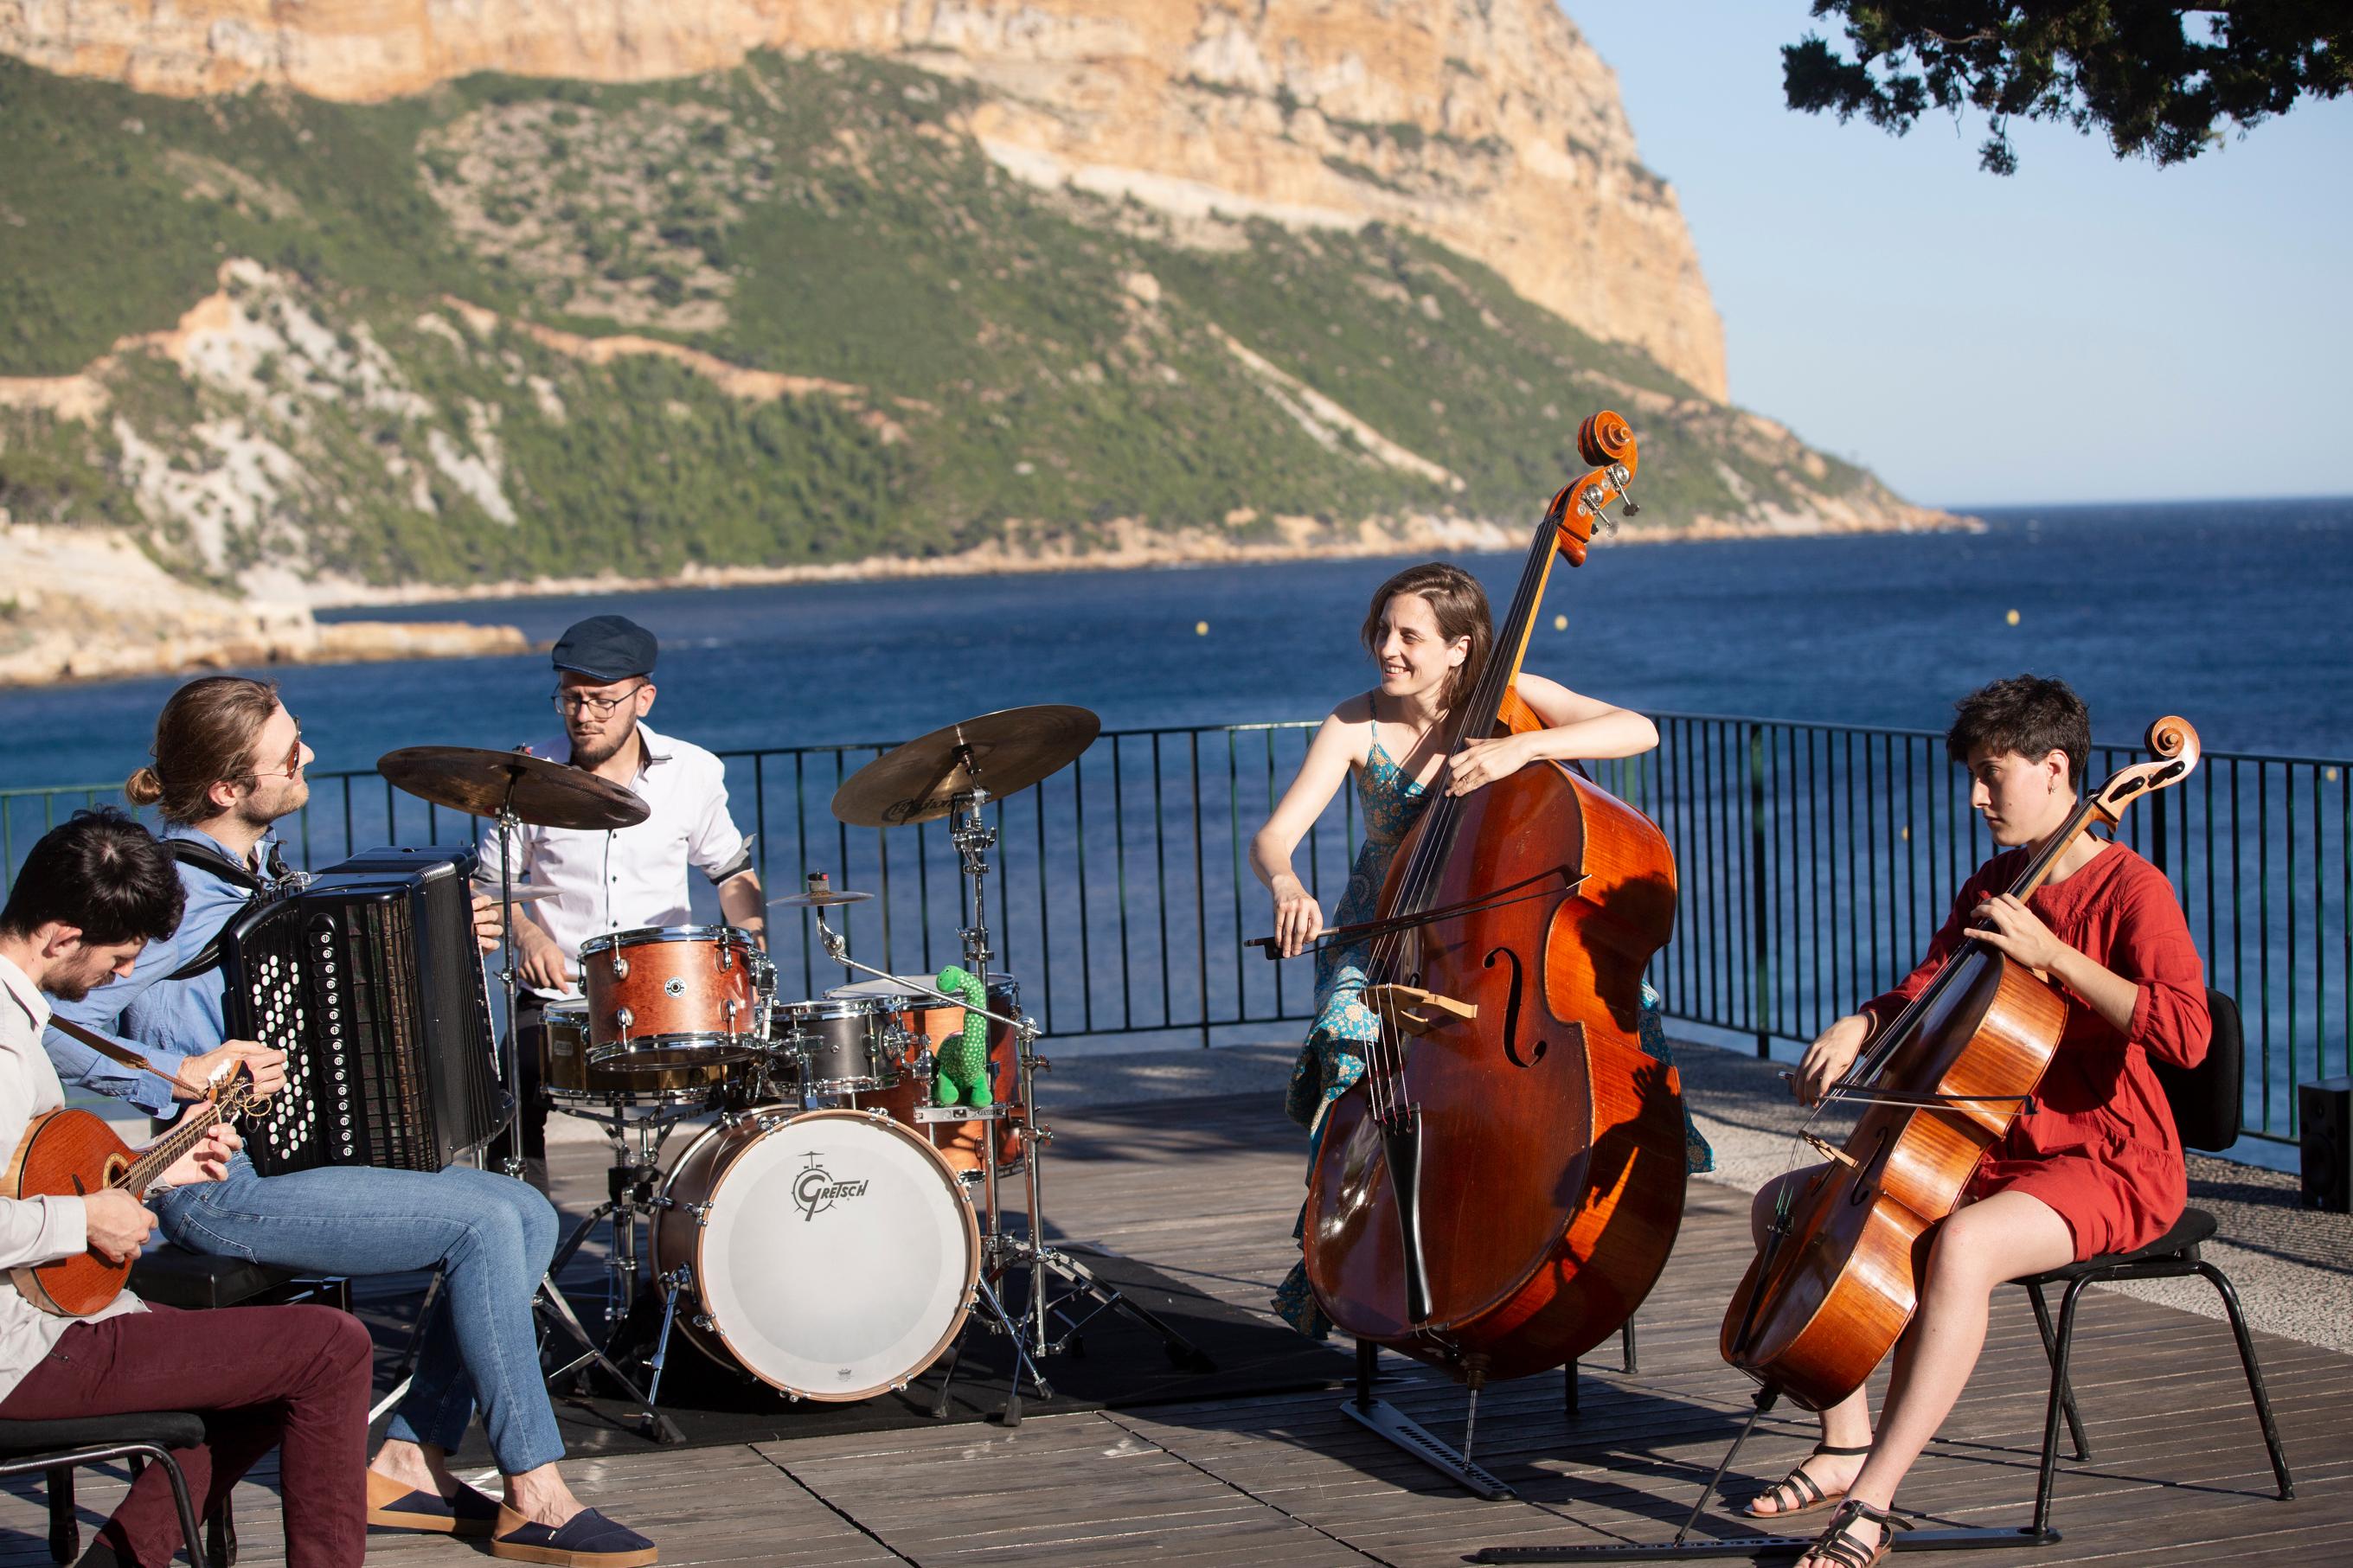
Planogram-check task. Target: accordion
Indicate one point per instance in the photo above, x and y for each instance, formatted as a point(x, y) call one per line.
point(367, 977)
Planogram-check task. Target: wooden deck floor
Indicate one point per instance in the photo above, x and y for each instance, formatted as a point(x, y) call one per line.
point(1207, 1189)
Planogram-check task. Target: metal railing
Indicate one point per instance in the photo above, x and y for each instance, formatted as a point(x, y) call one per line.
point(1816, 862)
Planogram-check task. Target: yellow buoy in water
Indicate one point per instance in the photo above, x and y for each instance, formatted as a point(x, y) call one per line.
point(1560, 623)
point(1200, 628)
point(2011, 617)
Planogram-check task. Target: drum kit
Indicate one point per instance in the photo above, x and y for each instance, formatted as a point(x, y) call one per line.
point(831, 1232)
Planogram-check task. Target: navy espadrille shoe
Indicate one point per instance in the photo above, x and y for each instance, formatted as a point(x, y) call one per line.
point(587, 1539)
point(391, 1506)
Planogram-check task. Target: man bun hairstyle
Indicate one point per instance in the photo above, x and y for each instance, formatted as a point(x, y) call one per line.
point(204, 736)
point(101, 872)
point(2033, 715)
point(1455, 597)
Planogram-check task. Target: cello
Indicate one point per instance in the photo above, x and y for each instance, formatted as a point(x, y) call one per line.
point(1835, 1283)
point(1501, 1188)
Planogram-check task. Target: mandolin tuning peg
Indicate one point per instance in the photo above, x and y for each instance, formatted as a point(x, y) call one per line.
point(1634, 509)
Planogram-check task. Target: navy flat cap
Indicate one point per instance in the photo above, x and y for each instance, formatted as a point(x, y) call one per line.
point(608, 648)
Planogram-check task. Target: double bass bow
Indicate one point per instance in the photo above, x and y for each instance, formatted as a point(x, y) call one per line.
point(1501, 1188)
point(1835, 1283)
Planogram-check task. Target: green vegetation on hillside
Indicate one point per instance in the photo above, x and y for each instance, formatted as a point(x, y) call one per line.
point(1005, 354)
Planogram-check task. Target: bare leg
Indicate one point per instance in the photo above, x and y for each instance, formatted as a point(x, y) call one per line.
point(1847, 1424)
point(540, 1495)
point(2006, 1237)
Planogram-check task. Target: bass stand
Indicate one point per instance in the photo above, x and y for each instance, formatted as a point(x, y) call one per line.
point(1385, 1420)
point(973, 838)
point(547, 1303)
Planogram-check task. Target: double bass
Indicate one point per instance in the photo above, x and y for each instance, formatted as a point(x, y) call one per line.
point(1835, 1283)
point(1501, 1188)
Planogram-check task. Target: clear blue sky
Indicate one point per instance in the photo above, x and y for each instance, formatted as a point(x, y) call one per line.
point(2086, 330)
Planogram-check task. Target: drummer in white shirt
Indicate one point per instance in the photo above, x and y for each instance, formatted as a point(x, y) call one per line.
point(623, 879)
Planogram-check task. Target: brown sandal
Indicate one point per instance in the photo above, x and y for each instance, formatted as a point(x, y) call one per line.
point(1837, 1544)
point(1798, 1488)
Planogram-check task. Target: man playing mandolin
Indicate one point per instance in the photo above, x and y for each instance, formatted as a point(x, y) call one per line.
point(89, 897)
point(2095, 1167)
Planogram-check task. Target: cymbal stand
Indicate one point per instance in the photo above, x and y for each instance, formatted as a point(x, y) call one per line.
point(547, 1301)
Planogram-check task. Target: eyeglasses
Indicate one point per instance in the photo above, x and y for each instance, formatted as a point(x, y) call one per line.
point(571, 701)
point(293, 762)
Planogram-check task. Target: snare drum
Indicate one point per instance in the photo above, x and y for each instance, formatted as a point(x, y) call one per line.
point(564, 1069)
point(927, 1021)
point(674, 996)
point(842, 1045)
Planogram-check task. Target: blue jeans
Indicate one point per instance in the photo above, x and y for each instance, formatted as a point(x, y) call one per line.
point(490, 1235)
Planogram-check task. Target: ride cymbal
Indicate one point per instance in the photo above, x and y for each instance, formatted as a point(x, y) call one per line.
point(1003, 752)
point(481, 783)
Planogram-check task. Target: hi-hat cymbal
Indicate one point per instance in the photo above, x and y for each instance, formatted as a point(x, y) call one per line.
point(479, 782)
point(824, 901)
point(1002, 753)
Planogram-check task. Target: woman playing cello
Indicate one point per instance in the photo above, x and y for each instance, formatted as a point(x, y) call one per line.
point(1430, 632)
point(2095, 1168)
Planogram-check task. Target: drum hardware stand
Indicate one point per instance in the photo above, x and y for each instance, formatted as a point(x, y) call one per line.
point(399, 1390)
point(630, 1185)
point(1003, 1252)
point(1682, 1547)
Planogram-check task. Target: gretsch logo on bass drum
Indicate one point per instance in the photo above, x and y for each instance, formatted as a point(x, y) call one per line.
point(814, 1190)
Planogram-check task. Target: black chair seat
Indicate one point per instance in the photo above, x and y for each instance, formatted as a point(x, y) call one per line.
point(2194, 1228)
point(163, 1429)
point(173, 1277)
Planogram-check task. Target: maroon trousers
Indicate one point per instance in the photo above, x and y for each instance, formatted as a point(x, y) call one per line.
point(260, 1377)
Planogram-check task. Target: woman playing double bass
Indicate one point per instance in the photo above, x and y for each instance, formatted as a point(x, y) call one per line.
point(2095, 1167)
point(1430, 632)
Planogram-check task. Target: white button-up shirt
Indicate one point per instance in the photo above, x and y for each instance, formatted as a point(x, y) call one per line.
point(623, 879)
point(42, 1229)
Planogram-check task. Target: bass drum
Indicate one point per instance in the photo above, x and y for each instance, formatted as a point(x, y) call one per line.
point(833, 1254)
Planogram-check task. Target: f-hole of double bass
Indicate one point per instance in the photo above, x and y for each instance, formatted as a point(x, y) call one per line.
point(1512, 1013)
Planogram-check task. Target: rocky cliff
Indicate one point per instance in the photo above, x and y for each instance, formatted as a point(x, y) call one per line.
point(1489, 125)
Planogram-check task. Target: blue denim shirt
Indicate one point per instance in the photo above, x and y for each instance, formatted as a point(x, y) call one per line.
point(165, 1020)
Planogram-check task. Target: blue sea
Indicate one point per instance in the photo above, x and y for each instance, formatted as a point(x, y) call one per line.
point(2232, 614)
point(1121, 900)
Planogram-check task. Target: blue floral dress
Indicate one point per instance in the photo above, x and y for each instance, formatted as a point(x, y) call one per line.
point(1333, 1057)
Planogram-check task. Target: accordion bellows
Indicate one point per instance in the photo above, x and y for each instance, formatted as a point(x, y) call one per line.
point(369, 980)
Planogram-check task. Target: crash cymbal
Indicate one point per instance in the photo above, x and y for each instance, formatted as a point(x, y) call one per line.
point(479, 782)
point(520, 893)
point(1002, 753)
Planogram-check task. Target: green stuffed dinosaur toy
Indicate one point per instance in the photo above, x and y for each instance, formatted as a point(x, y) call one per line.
point(960, 1062)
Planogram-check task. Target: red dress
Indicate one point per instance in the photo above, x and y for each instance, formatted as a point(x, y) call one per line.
point(2101, 1148)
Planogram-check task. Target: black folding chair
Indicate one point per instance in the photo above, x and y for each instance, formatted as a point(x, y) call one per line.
point(2207, 1101)
point(56, 1447)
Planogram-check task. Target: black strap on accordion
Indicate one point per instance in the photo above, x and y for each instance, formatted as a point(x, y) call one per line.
point(204, 857)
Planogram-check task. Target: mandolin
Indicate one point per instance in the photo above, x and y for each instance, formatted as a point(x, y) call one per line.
point(73, 1153)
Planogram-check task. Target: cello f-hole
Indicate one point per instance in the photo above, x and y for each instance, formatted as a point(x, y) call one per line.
point(1865, 1185)
point(1511, 1015)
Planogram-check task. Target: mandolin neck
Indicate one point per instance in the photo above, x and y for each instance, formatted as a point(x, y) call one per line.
point(141, 1172)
